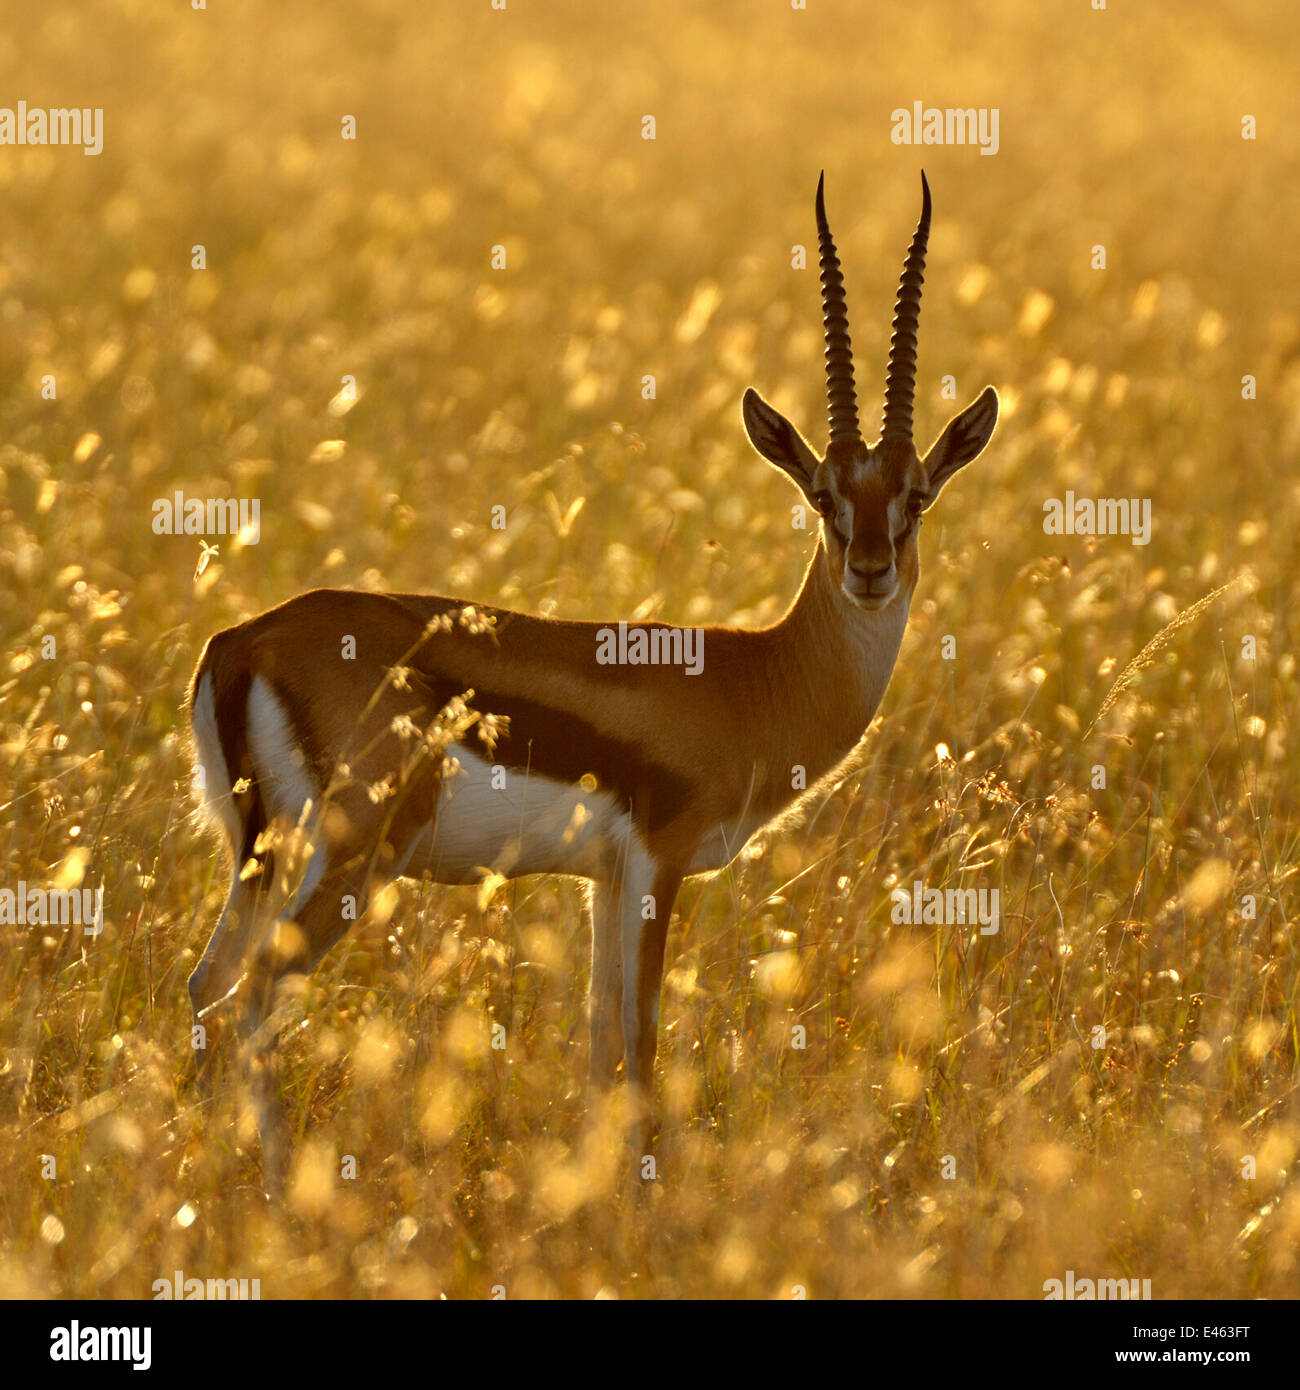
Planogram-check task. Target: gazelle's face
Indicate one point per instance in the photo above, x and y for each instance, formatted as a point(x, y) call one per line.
point(870, 506)
point(870, 497)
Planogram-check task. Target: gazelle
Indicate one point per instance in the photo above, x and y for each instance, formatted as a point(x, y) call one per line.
point(316, 715)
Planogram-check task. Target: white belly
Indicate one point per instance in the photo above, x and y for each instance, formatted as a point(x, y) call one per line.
point(517, 823)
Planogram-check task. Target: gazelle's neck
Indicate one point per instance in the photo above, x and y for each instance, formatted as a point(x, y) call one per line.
point(838, 658)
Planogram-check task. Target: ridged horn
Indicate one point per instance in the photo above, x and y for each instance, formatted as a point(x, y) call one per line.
point(900, 379)
point(840, 395)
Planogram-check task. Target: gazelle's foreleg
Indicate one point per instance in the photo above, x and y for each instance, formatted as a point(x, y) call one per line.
point(648, 893)
point(605, 1001)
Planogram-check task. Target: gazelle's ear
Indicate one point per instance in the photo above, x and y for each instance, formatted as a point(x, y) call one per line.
point(962, 440)
point(778, 441)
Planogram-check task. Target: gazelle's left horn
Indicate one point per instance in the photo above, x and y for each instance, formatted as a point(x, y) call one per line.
point(900, 379)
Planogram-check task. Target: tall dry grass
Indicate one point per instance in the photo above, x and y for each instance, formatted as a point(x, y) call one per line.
point(950, 1129)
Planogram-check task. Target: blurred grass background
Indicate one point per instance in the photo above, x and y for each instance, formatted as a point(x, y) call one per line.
point(1122, 907)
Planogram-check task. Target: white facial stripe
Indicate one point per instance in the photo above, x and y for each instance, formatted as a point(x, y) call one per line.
point(841, 518)
point(843, 513)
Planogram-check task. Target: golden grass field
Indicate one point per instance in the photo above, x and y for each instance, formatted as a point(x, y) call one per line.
point(950, 1131)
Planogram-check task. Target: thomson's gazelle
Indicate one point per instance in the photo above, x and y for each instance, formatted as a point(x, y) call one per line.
point(632, 775)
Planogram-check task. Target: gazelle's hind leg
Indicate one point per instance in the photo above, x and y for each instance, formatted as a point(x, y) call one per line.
point(294, 944)
point(358, 845)
point(242, 819)
point(219, 970)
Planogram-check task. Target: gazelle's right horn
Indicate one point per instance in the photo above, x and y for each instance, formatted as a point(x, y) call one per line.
point(840, 395)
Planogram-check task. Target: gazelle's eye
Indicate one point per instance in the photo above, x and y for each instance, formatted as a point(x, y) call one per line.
point(824, 503)
point(911, 516)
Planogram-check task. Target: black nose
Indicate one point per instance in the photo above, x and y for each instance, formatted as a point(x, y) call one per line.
point(869, 573)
